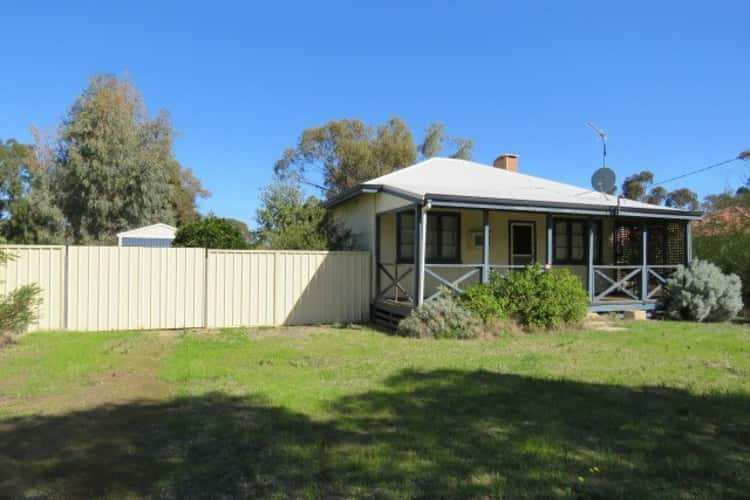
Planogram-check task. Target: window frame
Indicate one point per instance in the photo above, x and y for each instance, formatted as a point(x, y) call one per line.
point(534, 253)
point(569, 261)
point(439, 215)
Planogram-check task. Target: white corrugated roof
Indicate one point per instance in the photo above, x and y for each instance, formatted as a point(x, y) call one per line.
point(158, 230)
point(461, 178)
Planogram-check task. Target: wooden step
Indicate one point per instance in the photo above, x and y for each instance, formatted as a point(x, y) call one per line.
point(387, 316)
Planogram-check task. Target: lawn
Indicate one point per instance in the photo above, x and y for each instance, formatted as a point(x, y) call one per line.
point(659, 410)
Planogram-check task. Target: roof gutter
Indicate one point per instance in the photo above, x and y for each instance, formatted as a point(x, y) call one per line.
point(546, 207)
point(439, 200)
point(372, 188)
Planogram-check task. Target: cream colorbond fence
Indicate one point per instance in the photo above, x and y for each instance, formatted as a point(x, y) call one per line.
point(45, 266)
point(118, 288)
point(127, 288)
point(281, 288)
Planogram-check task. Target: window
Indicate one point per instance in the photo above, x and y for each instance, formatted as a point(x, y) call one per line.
point(522, 243)
point(443, 237)
point(406, 236)
point(571, 241)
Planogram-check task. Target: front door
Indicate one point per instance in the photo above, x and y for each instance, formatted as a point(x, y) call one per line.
point(522, 243)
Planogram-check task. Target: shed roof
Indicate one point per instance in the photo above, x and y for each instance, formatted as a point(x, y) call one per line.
point(462, 182)
point(155, 231)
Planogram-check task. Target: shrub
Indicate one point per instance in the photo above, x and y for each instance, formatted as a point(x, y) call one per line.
point(536, 298)
point(498, 327)
point(18, 310)
point(210, 232)
point(728, 250)
point(442, 318)
point(482, 301)
point(701, 292)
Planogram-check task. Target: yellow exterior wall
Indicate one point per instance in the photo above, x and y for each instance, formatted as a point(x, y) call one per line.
point(358, 215)
point(385, 202)
point(472, 222)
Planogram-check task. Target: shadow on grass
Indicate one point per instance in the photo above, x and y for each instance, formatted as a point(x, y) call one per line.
point(425, 434)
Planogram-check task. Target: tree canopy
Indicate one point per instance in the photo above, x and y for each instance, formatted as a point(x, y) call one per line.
point(738, 198)
point(108, 168)
point(210, 232)
point(345, 153)
point(435, 139)
point(28, 209)
point(116, 165)
point(287, 220)
point(247, 234)
point(639, 187)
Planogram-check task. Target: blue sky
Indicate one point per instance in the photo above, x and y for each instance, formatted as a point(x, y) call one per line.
point(669, 81)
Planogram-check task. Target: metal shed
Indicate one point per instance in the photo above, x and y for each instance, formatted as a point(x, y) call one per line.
point(155, 235)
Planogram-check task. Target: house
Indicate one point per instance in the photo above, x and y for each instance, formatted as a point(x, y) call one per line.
point(155, 235)
point(448, 222)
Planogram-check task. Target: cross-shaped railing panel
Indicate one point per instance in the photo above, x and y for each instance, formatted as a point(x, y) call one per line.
point(394, 281)
point(452, 284)
point(623, 281)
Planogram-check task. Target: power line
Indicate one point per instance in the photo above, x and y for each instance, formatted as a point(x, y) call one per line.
point(741, 156)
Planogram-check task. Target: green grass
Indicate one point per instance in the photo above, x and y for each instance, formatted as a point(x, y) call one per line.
point(47, 363)
point(661, 410)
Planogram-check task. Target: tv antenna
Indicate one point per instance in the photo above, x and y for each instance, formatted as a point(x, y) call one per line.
point(603, 136)
point(603, 180)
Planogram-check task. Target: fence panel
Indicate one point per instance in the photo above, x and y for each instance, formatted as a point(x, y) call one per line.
point(45, 266)
point(322, 287)
point(255, 288)
point(124, 288)
point(239, 288)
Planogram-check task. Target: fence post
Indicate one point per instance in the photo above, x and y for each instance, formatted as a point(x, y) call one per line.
point(275, 288)
point(205, 288)
point(66, 285)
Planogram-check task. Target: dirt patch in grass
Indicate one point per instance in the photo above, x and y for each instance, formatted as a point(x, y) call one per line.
point(293, 331)
point(602, 323)
point(132, 374)
point(136, 377)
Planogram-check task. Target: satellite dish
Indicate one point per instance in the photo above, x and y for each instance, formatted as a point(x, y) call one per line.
point(603, 180)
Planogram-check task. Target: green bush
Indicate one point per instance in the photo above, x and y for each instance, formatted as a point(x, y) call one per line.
point(18, 310)
point(482, 301)
point(536, 298)
point(701, 292)
point(210, 232)
point(442, 318)
point(729, 251)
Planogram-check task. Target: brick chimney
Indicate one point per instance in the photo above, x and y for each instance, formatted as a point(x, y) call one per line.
point(507, 162)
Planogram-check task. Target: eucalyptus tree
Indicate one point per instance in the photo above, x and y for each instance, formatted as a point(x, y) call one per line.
point(116, 167)
point(345, 153)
